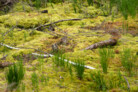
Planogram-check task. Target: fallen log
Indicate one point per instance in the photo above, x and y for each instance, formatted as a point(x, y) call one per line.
point(115, 35)
point(110, 42)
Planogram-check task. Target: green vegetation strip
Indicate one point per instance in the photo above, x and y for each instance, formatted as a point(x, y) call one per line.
point(45, 55)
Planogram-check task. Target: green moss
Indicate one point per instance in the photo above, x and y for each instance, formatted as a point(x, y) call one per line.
point(128, 42)
point(91, 11)
point(22, 7)
point(4, 17)
point(24, 20)
point(32, 22)
point(84, 55)
point(79, 37)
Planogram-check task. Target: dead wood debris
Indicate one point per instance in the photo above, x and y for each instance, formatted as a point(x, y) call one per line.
point(4, 57)
point(39, 27)
point(63, 41)
point(47, 55)
point(7, 3)
point(115, 35)
point(44, 11)
point(110, 42)
point(55, 47)
point(5, 64)
point(128, 86)
point(25, 57)
point(74, 19)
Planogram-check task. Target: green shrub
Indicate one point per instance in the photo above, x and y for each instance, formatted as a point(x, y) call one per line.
point(79, 67)
point(14, 75)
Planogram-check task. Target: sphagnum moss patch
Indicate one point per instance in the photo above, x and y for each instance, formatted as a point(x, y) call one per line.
point(65, 79)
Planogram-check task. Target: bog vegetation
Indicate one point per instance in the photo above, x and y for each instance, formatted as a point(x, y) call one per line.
point(68, 45)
